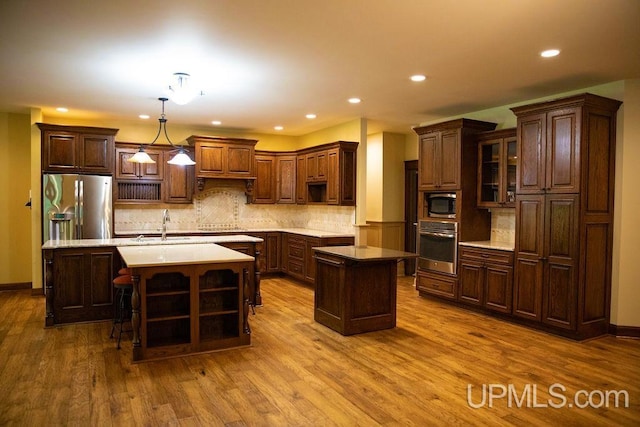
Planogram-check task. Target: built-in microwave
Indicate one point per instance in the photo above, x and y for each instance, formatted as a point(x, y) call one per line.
point(441, 205)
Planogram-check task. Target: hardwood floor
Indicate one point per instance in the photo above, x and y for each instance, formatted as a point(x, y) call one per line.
point(298, 372)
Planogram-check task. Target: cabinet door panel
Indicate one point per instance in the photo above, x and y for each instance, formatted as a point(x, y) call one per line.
point(527, 289)
point(239, 161)
point(265, 185)
point(100, 284)
point(499, 288)
point(559, 296)
point(530, 222)
point(427, 167)
point(561, 228)
point(471, 277)
point(179, 186)
point(450, 161)
point(301, 180)
point(531, 154)
point(211, 160)
point(333, 175)
point(563, 161)
point(286, 186)
point(60, 150)
point(96, 153)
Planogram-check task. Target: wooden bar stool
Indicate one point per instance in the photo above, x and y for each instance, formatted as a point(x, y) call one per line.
point(123, 286)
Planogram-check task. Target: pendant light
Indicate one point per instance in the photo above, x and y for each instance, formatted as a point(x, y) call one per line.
point(180, 159)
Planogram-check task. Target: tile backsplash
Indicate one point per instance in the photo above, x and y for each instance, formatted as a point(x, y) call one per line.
point(503, 225)
point(224, 208)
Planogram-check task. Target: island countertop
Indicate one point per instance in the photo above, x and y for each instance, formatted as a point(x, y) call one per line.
point(179, 254)
point(148, 241)
point(364, 253)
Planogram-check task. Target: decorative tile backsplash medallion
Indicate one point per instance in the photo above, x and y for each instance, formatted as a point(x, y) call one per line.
point(224, 208)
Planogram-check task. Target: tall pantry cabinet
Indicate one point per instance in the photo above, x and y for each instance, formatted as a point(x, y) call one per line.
point(564, 214)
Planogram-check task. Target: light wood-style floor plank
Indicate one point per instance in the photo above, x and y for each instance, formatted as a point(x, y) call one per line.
point(300, 373)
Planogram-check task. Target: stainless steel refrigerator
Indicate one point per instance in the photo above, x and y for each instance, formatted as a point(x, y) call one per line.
point(76, 207)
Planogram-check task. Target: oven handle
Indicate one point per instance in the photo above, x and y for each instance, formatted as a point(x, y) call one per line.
point(445, 235)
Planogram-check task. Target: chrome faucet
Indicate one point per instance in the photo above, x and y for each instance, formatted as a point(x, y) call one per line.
point(165, 218)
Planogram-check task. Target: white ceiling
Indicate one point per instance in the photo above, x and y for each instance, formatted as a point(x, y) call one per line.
point(269, 62)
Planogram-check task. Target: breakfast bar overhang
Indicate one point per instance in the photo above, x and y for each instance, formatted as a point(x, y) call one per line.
point(187, 298)
point(356, 287)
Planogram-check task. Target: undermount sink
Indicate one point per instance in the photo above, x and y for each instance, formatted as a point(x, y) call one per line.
point(159, 239)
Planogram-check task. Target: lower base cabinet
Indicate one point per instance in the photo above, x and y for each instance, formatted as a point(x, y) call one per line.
point(486, 278)
point(192, 308)
point(78, 284)
point(440, 285)
point(297, 254)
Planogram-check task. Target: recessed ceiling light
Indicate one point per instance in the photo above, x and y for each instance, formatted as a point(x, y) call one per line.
point(418, 78)
point(354, 100)
point(311, 116)
point(144, 116)
point(549, 53)
point(62, 109)
point(278, 127)
point(216, 122)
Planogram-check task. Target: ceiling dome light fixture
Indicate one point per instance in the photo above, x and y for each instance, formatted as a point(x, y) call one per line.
point(180, 159)
point(180, 90)
point(550, 53)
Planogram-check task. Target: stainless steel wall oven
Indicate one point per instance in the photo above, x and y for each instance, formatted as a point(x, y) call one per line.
point(438, 246)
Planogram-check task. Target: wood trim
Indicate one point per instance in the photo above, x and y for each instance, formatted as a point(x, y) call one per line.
point(15, 286)
point(624, 331)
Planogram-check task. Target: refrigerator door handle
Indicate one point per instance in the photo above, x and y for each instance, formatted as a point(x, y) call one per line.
point(79, 206)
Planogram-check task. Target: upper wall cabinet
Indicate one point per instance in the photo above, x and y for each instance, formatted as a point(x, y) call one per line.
point(157, 182)
point(440, 152)
point(332, 179)
point(497, 157)
point(77, 149)
point(275, 177)
point(228, 158)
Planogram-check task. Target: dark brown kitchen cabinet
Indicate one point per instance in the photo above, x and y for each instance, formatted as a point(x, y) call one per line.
point(136, 171)
point(264, 190)
point(486, 278)
point(150, 183)
point(275, 178)
point(77, 149)
point(218, 157)
point(78, 284)
point(436, 284)
point(286, 178)
point(564, 214)
point(441, 148)
point(297, 254)
point(273, 252)
point(497, 157)
point(179, 183)
point(316, 166)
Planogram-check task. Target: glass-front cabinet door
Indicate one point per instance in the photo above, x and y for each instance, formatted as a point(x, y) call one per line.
point(497, 169)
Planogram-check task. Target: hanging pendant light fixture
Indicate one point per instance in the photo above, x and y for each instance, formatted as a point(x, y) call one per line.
point(180, 159)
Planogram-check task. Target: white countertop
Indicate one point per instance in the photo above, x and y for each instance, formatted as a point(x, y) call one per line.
point(149, 241)
point(154, 256)
point(490, 244)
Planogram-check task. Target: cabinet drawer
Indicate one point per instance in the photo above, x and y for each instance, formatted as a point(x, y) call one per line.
point(296, 268)
point(436, 285)
point(493, 256)
point(296, 251)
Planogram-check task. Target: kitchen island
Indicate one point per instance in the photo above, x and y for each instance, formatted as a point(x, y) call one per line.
point(187, 298)
point(356, 287)
point(78, 274)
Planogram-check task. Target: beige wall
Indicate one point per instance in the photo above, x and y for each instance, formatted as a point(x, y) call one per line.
point(15, 217)
point(625, 297)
